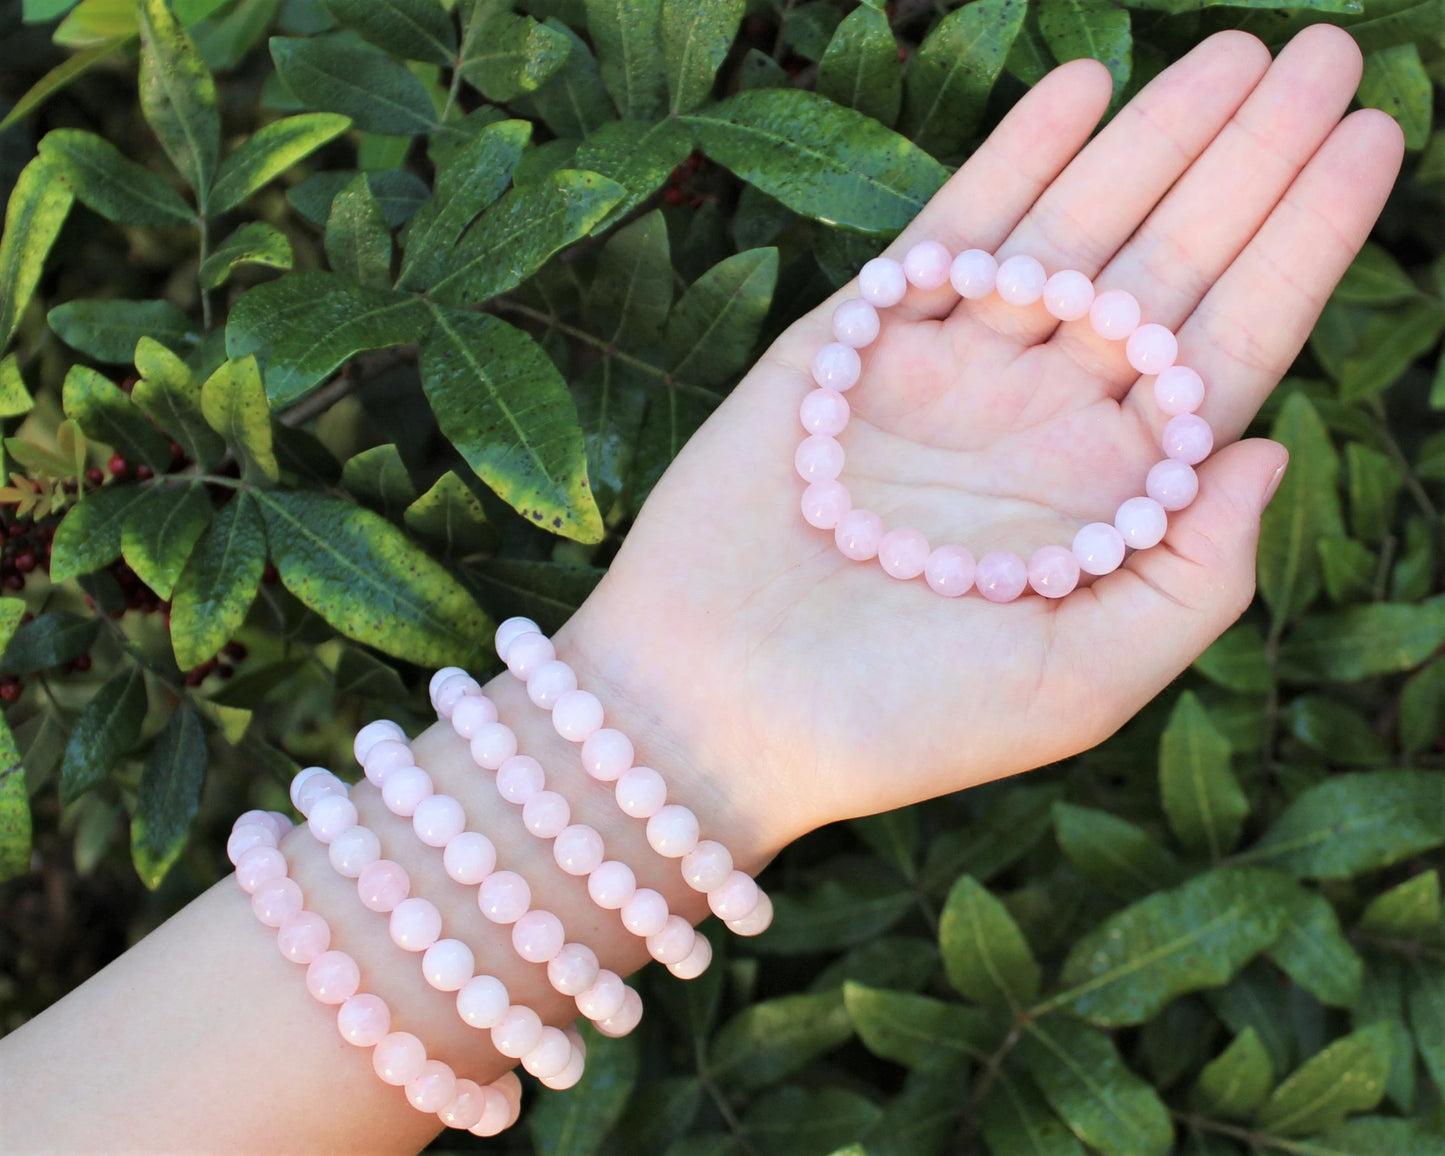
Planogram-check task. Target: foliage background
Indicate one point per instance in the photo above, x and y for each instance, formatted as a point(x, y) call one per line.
point(335, 330)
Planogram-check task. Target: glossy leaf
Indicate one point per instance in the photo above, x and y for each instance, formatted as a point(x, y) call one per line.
point(984, 953)
point(53, 638)
point(631, 292)
point(107, 728)
point(15, 398)
point(638, 156)
point(111, 184)
point(918, 1031)
point(61, 76)
point(834, 914)
point(791, 1120)
point(1314, 953)
point(860, 68)
point(411, 29)
point(1395, 81)
point(254, 243)
point(630, 54)
point(358, 241)
point(1390, 342)
point(89, 536)
point(1237, 1081)
point(1410, 909)
point(379, 478)
point(1375, 278)
point(105, 414)
point(1202, 798)
point(377, 93)
point(170, 395)
point(1348, 1076)
point(505, 56)
point(696, 36)
point(713, 327)
point(576, 1124)
point(773, 1039)
point(219, 582)
point(169, 795)
point(1363, 641)
point(449, 513)
point(574, 101)
point(37, 208)
point(1374, 481)
point(107, 330)
point(1017, 1121)
point(1089, 29)
point(268, 152)
point(1425, 1001)
point(160, 532)
point(1112, 852)
point(178, 97)
point(547, 592)
point(1335, 729)
point(15, 824)
point(1374, 1135)
point(233, 401)
point(1236, 660)
point(1008, 828)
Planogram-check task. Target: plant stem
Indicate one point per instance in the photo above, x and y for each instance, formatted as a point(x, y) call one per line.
point(1397, 455)
point(205, 252)
point(1245, 1136)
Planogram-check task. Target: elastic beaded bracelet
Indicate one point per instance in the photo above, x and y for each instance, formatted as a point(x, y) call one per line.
point(1001, 576)
point(333, 978)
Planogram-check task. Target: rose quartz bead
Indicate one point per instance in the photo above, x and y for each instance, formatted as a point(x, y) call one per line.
point(280, 823)
point(949, 571)
point(882, 282)
point(452, 691)
point(858, 535)
point(538, 936)
point(707, 866)
point(1172, 484)
point(466, 1106)
point(436, 680)
point(527, 652)
point(363, 1020)
point(825, 503)
point(1001, 576)
point(697, 959)
point(926, 265)
point(611, 884)
point(472, 713)
point(573, 969)
point(818, 459)
point(1068, 295)
point(837, 366)
point(577, 715)
point(606, 754)
point(244, 836)
point(469, 857)
point(433, 1089)
point(756, 921)
point(550, 680)
point(352, 850)
point(259, 865)
point(275, 901)
point(399, 1058)
point(1142, 522)
point(627, 1017)
point(1099, 548)
point(303, 937)
point(1114, 314)
point(645, 913)
point(314, 787)
point(640, 792)
point(1053, 571)
point(1152, 348)
point(373, 733)
point(415, 924)
point(825, 411)
point(496, 1114)
point(299, 781)
point(331, 815)
point(855, 323)
point(448, 964)
point(510, 630)
point(735, 898)
point(483, 1001)
point(578, 849)
point(672, 831)
point(518, 1033)
point(1188, 439)
point(1179, 390)
point(504, 897)
point(519, 778)
point(569, 1075)
point(604, 998)
point(1020, 280)
point(673, 943)
point(903, 553)
point(973, 274)
point(385, 756)
point(273, 821)
point(493, 744)
point(404, 790)
point(438, 819)
point(382, 885)
point(332, 977)
point(550, 1055)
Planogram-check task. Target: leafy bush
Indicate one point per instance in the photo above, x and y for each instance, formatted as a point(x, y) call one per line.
point(365, 335)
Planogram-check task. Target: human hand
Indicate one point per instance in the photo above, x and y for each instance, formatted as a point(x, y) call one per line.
point(1228, 197)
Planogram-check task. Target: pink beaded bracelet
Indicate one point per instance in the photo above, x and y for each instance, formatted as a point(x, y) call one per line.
point(334, 978)
point(1000, 576)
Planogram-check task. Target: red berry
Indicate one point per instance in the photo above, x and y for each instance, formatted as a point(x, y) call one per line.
point(270, 574)
point(674, 196)
point(129, 383)
point(18, 528)
point(14, 582)
point(118, 466)
point(178, 452)
point(26, 562)
point(144, 472)
point(10, 689)
point(82, 663)
point(197, 676)
point(93, 476)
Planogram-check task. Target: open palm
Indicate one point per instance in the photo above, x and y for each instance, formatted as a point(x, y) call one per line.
point(1228, 197)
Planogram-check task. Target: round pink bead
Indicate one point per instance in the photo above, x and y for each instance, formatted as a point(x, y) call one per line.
point(611, 884)
point(352, 850)
point(373, 733)
point(519, 778)
point(279, 823)
point(415, 924)
point(331, 815)
point(384, 757)
point(545, 814)
point(399, 1058)
point(1001, 576)
point(1053, 571)
point(518, 1033)
point(858, 535)
point(1141, 522)
point(673, 943)
point(527, 652)
point(903, 553)
point(438, 819)
point(1020, 280)
point(569, 1075)
point(452, 691)
point(269, 820)
point(472, 713)
point(1179, 390)
point(439, 677)
point(1068, 295)
point(382, 885)
point(244, 836)
point(735, 898)
point(448, 964)
point(697, 959)
point(949, 571)
point(549, 681)
point(466, 1106)
point(640, 792)
point(577, 715)
point(1188, 439)
point(756, 921)
point(493, 744)
point(1172, 484)
point(469, 857)
point(363, 1020)
point(483, 1001)
point(311, 787)
point(332, 977)
point(496, 1114)
point(882, 282)
point(550, 1055)
point(818, 459)
point(707, 866)
point(1114, 314)
point(504, 897)
point(604, 998)
point(837, 366)
point(645, 913)
point(510, 630)
point(259, 865)
point(404, 789)
point(433, 1089)
point(578, 849)
point(299, 781)
point(825, 411)
point(973, 274)
point(303, 937)
point(855, 323)
point(672, 831)
point(538, 936)
point(573, 969)
point(825, 503)
point(627, 1017)
point(926, 265)
point(1152, 348)
point(606, 754)
point(275, 901)
point(1099, 548)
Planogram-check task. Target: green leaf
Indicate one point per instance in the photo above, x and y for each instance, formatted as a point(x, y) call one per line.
point(696, 36)
point(52, 639)
point(1091, 29)
point(233, 401)
point(1017, 1121)
point(96, 20)
point(638, 156)
point(502, 403)
point(505, 56)
point(773, 1039)
point(1112, 852)
point(254, 243)
point(219, 582)
point(1237, 1081)
point(89, 536)
point(33, 216)
point(107, 728)
point(358, 241)
point(1422, 707)
point(574, 101)
point(105, 414)
point(918, 1031)
point(359, 572)
point(169, 795)
point(1410, 909)
point(860, 68)
point(514, 238)
point(1382, 1000)
point(950, 77)
point(15, 827)
point(1374, 1135)
point(178, 97)
point(411, 29)
point(834, 915)
point(270, 151)
point(1425, 999)
point(1375, 278)
point(15, 398)
point(808, 26)
point(1236, 660)
point(631, 292)
point(1348, 1076)
point(1395, 81)
point(1081, 1075)
point(1313, 952)
point(712, 329)
point(451, 514)
point(1202, 799)
point(108, 330)
point(1374, 483)
point(984, 952)
point(376, 92)
point(630, 54)
point(576, 1124)
point(810, 1122)
point(549, 592)
point(161, 531)
point(1363, 641)
point(821, 160)
point(110, 184)
point(1354, 823)
point(1391, 342)
point(1335, 729)
point(60, 77)
point(1008, 828)
point(379, 478)
point(1348, 567)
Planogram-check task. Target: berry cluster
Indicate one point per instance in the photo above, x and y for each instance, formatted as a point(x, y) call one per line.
point(680, 190)
point(235, 651)
point(27, 548)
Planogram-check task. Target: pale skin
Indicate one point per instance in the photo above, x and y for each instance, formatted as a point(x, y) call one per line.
point(775, 684)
